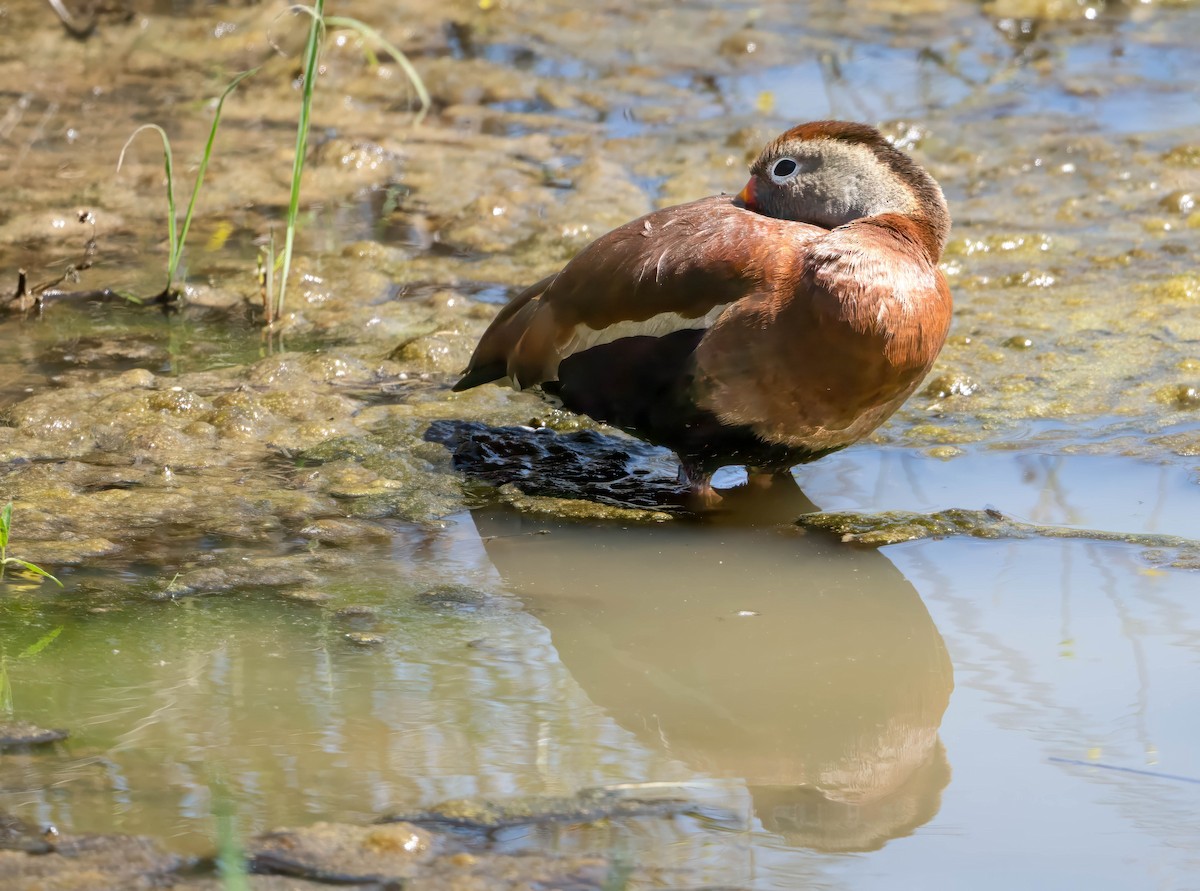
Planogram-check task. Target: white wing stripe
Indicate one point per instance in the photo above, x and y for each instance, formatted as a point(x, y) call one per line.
point(584, 338)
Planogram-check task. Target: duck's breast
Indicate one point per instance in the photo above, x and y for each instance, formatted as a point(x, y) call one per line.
point(839, 336)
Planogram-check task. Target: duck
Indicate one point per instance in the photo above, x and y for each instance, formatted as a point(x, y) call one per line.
point(765, 329)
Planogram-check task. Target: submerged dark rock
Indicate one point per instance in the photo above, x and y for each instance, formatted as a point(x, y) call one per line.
point(344, 854)
point(893, 527)
point(400, 855)
point(460, 599)
point(19, 734)
point(438, 851)
point(589, 806)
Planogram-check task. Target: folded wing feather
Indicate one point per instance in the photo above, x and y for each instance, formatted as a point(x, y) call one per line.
point(674, 269)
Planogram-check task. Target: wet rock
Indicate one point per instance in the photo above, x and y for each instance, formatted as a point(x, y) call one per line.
point(1018, 342)
point(1185, 155)
point(357, 616)
point(176, 401)
point(741, 43)
point(110, 354)
point(1180, 201)
point(17, 835)
point(584, 465)
point(91, 862)
point(1035, 10)
point(354, 481)
point(1186, 558)
point(455, 599)
point(344, 532)
point(387, 855)
point(589, 806)
point(1183, 397)
point(946, 385)
point(448, 352)
point(239, 570)
point(72, 552)
point(19, 734)
point(1178, 289)
point(204, 580)
point(339, 449)
point(203, 294)
point(944, 452)
point(334, 852)
point(1186, 445)
point(364, 639)
point(274, 572)
point(403, 855)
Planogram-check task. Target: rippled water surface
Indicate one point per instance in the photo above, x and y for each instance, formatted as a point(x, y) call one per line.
point(279, 592)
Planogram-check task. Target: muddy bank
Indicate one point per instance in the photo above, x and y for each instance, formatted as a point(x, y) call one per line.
point(448, 847)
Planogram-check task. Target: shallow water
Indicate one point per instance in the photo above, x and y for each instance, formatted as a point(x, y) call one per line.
point(280, 594)
point(940, 705)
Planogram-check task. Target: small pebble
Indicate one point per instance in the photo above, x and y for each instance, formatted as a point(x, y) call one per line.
point(363, 638)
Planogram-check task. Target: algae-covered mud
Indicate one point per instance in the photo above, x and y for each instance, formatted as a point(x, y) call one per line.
point(306, 589)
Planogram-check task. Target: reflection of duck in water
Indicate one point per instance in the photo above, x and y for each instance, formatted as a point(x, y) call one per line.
point(826, 701)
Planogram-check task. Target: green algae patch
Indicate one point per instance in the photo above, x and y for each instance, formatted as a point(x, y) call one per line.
point(894, 527)
point(1186, 445)
point(1186, 155)
point(1178, 289)
point(577, 509)
point(1181, 397)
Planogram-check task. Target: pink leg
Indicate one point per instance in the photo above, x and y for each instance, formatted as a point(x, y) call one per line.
point(762, 479)
point(701, 497)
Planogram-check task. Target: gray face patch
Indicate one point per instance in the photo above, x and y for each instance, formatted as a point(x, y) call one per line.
point(832, 183)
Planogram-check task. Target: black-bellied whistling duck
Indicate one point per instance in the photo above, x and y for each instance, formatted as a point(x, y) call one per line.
point(766, 330)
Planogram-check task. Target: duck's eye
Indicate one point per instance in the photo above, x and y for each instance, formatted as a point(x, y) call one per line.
point(784, 168)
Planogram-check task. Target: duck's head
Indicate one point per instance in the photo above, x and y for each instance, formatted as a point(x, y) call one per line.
point(834, 172)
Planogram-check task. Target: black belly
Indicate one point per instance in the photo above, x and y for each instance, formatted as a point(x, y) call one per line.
point(646, 387)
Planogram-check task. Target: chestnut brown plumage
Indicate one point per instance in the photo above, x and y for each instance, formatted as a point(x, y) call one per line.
point(767, 329)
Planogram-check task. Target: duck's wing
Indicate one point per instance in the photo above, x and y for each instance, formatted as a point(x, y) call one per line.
point(672, 270)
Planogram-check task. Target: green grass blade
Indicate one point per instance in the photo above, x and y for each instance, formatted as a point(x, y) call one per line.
point(177, 252)
point(34, 648)
point(231, 853)
point(35, 569)
point(169, 166)
point(6, 694)
point(337, 21)
point(312, 54)
point(5, 525)
point(270, 276)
